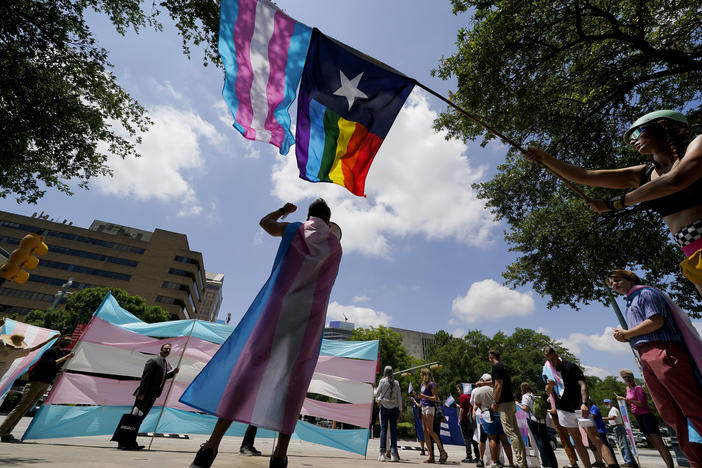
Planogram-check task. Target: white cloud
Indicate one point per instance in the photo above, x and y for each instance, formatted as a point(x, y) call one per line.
point(419, 184)
point(575, 342)
point(362, 317)
point(597, 372)
point(357, 299)
point(169, 150)
point(168, 89)
point(458, 333)
point(543, 331)
point(488, 300)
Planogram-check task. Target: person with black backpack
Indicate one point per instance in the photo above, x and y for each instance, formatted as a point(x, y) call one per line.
point(535, 406)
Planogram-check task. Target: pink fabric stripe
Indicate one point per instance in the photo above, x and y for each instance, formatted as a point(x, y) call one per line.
point(313, 333)
point(693, 247)
point(358, 414)
point(243, 32)
point(91, 390)
point(353, 369)
point(106, 334)
point(247, 389)
point(277, 58)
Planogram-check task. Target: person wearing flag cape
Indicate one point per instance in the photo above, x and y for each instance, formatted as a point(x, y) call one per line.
point(261, 373)
point(670, 350)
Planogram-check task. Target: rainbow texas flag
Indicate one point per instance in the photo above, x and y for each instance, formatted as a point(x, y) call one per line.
point(347, 104)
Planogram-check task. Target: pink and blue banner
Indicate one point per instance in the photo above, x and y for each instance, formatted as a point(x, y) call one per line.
point(110, 357)
point(32, 336)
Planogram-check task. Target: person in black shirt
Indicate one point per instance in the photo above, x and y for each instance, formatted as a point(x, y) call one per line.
point(40, 379)
point(572, 397)
point(504, 404)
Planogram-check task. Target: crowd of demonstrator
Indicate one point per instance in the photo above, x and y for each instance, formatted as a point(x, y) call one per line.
point(487, 413)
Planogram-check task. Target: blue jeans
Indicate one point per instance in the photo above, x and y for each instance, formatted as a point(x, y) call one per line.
point(388, 415)
point(623, 442)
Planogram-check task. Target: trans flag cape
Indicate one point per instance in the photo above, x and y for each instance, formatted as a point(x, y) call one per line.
point(260, 375)
point(691, 341)
point(263, 51)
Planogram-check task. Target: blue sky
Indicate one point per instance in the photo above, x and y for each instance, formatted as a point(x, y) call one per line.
point(421, 252)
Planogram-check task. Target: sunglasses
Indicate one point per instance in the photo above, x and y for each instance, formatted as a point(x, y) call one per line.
point(637, 132)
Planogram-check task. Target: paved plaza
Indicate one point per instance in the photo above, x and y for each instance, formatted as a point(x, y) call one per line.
point(99, 452)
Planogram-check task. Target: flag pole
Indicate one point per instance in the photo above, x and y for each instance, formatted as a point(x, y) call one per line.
point(165, 400)
point(504, 138)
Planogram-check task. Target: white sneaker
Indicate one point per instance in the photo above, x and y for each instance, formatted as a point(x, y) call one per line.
point(394, 457)
point(381, 457)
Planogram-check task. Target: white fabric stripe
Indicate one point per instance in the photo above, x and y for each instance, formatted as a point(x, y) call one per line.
point(263, 31)
point(288, 339)
point(341, 389)
point(109, 360)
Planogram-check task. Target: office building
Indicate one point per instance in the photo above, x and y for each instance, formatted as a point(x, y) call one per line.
point(416, 343)
point(338, 330)
point(211, 302)
point(158, 266)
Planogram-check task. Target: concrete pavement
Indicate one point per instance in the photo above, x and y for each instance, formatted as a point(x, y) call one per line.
point(99, 452)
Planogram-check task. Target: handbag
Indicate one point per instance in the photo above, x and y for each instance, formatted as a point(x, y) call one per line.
point(127, 429)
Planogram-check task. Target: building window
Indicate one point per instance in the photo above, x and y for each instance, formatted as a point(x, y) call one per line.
point(166, 299)
point(170, 300)
point(172, 285)
point(181, 259)
point(32, 296)
point(58, 282)
point(86, 270)
point(77, 253)
point(74, 237)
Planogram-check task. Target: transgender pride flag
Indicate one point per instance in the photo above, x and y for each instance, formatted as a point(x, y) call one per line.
point(263, 51)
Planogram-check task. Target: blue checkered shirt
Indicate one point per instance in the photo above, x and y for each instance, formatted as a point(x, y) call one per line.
point(643, 304)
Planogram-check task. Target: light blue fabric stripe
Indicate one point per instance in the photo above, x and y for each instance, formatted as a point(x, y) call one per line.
point(297, 55)
point(229, 12)
point(367, 350)
point(315, 150)
point(60, 421)
point(350, 440)
point(206, 390)
point(111, 311)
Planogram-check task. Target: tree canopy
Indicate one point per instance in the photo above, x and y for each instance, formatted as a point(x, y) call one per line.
point(570, 76)
point(466, 359)
point(61, 109)
point(81, 305)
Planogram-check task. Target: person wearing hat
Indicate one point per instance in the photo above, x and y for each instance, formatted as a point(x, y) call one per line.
point(483, 399)
point(14, 347)
point(614, 418)
point(40, 379)
point(671, 184)
point(670, 350)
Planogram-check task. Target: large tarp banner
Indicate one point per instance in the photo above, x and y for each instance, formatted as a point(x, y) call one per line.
point(110, 357)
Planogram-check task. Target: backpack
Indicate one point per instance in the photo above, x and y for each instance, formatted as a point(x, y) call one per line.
point(539, 409)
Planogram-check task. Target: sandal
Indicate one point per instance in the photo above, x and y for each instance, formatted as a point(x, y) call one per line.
point(443, 457)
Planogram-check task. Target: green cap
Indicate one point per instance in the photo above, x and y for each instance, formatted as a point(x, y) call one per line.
point(651, 116)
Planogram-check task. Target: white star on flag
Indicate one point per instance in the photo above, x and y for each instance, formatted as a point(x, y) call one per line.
point(349, 88)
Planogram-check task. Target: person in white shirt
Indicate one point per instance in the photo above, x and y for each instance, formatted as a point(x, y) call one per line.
point(614, 418)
